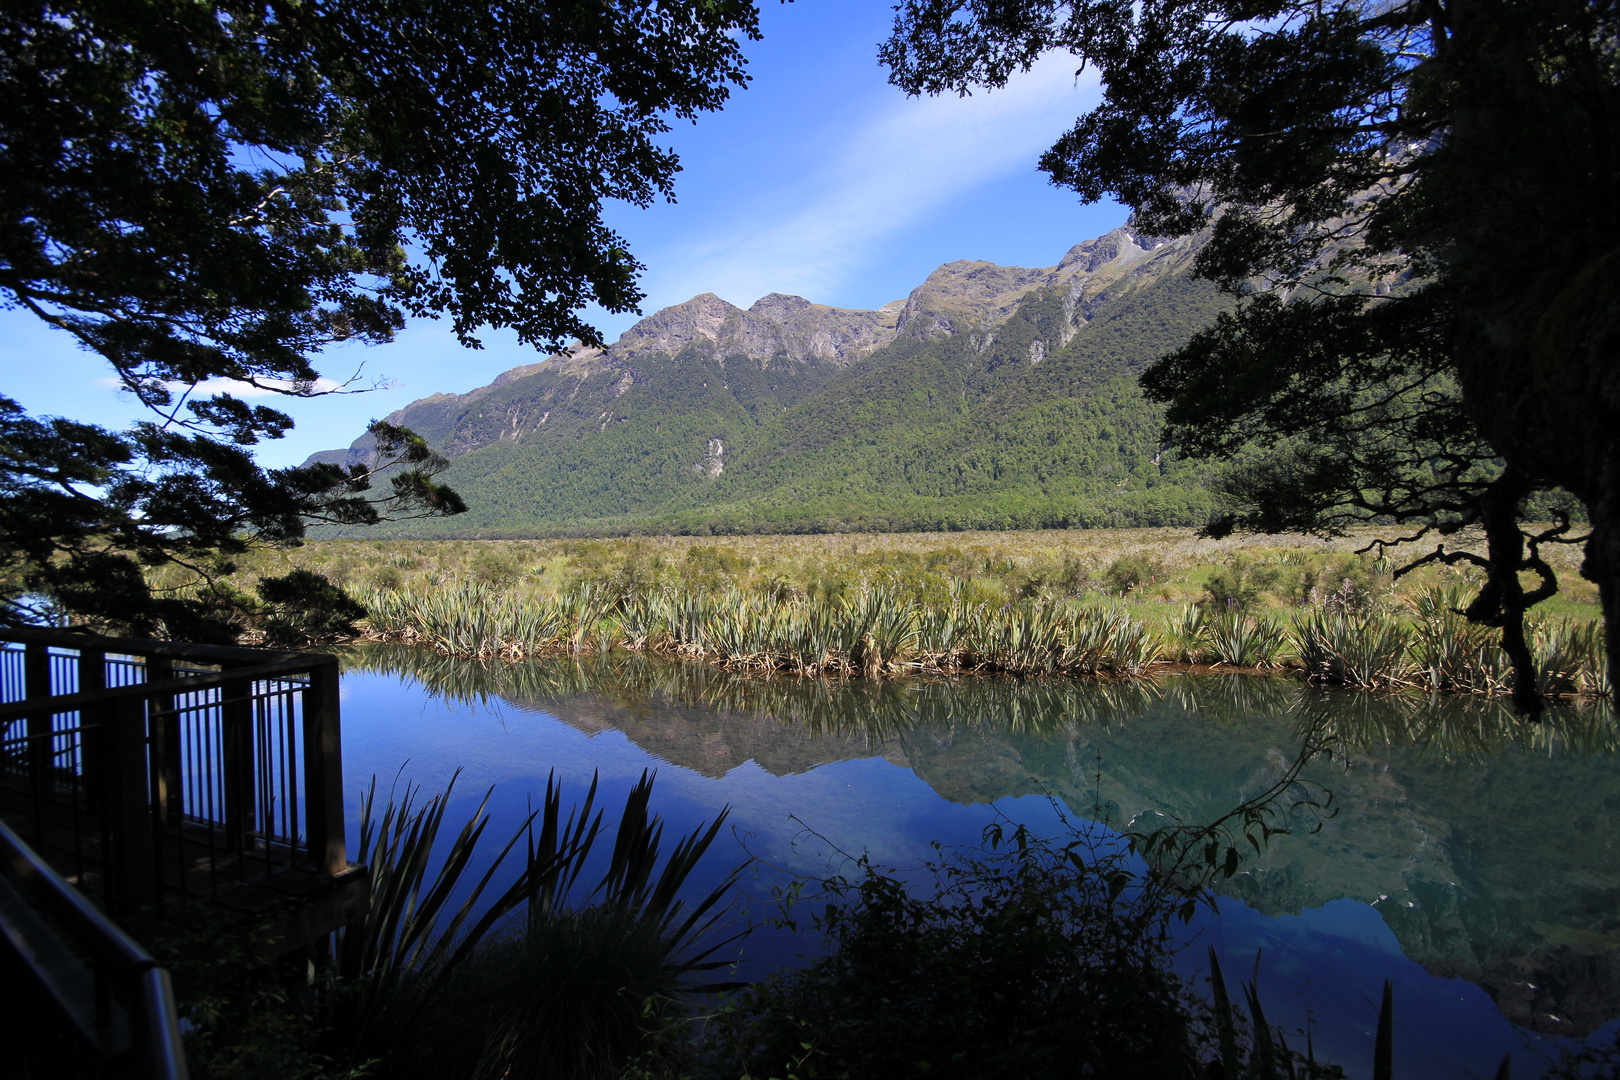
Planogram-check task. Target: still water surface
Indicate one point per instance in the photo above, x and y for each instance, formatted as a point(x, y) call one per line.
point(1473, 862)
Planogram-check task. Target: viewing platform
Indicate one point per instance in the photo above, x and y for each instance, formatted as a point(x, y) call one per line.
point(164, 780)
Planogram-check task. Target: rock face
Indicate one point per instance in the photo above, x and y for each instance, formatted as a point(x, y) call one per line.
point(714, 462)
point(777, 329)
point(436, 416)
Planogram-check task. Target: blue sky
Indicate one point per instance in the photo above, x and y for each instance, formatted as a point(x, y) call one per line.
point(820, 179)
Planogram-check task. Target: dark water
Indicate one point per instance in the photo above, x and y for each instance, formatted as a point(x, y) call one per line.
point(1471, 861)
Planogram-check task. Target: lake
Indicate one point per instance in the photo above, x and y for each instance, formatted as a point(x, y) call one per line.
point(1469, 859)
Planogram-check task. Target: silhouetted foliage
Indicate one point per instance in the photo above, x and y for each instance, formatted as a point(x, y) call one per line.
point(207, 195)
point(1411, 204)
point(304, 607)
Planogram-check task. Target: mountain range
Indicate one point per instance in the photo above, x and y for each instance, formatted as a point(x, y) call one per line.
point(991, 397)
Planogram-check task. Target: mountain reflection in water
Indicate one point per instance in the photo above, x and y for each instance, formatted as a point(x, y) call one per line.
point(1488, 845)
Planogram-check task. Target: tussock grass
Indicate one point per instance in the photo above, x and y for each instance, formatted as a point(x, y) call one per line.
point(1091, 603)
point(1145, 565)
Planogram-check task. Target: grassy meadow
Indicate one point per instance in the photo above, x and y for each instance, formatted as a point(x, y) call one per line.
point(1051, 563)
point(1108, 602)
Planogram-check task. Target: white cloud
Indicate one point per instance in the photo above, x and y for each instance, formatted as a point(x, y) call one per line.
point(911, 157)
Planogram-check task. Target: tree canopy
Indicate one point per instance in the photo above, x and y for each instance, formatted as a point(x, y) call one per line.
point(207, 195)
point(1412, 202)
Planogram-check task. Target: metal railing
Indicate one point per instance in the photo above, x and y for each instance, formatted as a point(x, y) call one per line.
point(154, 772)
point(86, 999)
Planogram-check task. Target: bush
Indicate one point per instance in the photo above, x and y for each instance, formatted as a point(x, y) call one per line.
point(387, 577)
point(1349, 584)
point(1132, 571)
point(1238, 585)
point(495, 566)
point(1036, 960)
point(305, 607)
point(577, 994)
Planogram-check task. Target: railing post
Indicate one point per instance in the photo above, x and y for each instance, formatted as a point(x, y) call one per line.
point(37, 684)
point(123, 739)
point(165, 724)
point(36, 670)
point(92, 679)
point(323, 769)
point(236, 750)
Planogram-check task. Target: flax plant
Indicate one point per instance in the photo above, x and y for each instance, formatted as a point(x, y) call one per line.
point(1451, 653)
point(424, 986)
point(883, 630)
point(1238, 640)
point(1189, 634)
point(1343, 649)
point(483, 621)
point(1570, 657)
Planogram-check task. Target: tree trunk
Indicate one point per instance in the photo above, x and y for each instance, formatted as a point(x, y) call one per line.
point(1602, 563)
point(1502, 602)
point(1532, 249)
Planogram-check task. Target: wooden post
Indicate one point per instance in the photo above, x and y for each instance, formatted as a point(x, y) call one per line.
point(37, 684)
point(129, 811)
point(323, 769)
point(167, 797)
point(92, 679)
point(92, 670)
point(36, 670)
point(236, 749)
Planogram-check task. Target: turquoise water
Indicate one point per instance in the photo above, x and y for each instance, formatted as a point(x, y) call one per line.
point(1471, 861)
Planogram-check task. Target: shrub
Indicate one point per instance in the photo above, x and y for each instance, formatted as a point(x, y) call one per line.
point(1040, 958)
point(495, 566)
point(1132, 571)
point(1352, 584)
point(387, 577)
point(1073, 578)
point(1235, 586)
point(1036, 960)
point(304, 607)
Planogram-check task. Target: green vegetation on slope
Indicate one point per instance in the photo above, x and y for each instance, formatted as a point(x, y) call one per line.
point(998, 428)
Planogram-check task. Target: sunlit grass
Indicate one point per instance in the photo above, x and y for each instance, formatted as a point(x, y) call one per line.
point(1047, 562)
point(1108, 602)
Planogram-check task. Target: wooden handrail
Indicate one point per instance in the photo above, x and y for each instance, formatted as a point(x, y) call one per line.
point(46, 888)
point(203, 680)
point(110, 753)
point(177, 650)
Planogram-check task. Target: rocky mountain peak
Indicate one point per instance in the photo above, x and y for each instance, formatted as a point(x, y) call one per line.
point(964, 293)
point(1123, 246)
point(671, 329)
point(779, 306)
point(777, 328)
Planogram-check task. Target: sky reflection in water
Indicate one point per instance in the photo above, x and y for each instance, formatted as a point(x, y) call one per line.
point(1493, 851)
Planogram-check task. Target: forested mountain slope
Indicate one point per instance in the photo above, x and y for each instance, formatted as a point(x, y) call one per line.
point(992, 397)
